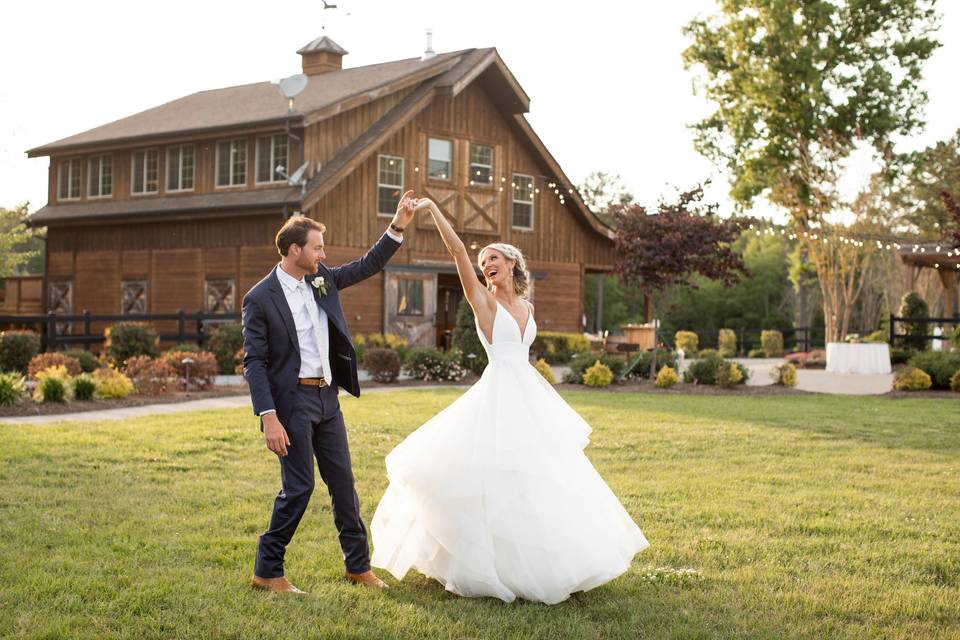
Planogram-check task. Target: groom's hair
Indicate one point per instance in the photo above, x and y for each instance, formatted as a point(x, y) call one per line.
point(294, 231)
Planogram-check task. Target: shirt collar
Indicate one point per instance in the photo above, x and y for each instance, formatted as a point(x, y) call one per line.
point(287, 280)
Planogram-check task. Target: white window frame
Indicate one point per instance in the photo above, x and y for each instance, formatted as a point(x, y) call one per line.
point(178, 149)
point(246, 168)
point(450, 164)
point(273, 160)
point(513, 199)
point(471, 164)
point(99, 161)
point(381, 185)
point(133, 171)
point(69, 164)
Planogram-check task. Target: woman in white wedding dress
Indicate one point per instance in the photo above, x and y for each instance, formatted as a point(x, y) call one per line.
point(493, 496)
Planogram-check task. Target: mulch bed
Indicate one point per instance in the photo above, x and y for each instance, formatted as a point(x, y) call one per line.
point(30, 408)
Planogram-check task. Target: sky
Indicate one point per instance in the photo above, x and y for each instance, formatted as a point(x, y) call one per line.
point(607, 85)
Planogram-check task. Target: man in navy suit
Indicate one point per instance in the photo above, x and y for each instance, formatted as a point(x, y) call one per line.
point(297, 353)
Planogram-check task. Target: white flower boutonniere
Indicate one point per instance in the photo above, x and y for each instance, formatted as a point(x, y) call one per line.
point(320, 285)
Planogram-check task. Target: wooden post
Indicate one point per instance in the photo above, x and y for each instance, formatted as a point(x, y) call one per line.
point(180, 325)
point(893, 332)
point(599, 318)
point(949, 281)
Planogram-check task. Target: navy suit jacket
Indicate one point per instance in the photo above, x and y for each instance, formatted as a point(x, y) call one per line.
point(271, 359)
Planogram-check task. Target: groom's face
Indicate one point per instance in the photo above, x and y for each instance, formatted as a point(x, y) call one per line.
point(309, 256)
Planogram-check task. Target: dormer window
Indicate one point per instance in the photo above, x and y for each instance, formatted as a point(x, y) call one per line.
point(68, 179)
point(271, 151)
point(100, 180)
point(145, 171)
point(232, 163)
point(180, 168)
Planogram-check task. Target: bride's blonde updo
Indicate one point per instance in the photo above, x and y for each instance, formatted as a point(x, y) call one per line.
point(521, 277)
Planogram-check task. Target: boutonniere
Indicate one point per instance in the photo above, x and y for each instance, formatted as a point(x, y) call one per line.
point(320, 285)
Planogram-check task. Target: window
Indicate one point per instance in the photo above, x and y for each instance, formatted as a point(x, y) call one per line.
point(60, 297)
point(271, 151)
point(145, 171)
point(409, 297)
point(180, 168)
point(522, 201)
point(133, 297)
point(231, 163)
point(439, 157)
point(481, 164)
point(69, 180)
point(219, 296)
point(389, 184)
point(100, 172)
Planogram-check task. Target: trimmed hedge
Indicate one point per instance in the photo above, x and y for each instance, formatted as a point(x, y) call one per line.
point(88, 361)
point(128, 339)
point(556, 347)
point(939, 365)
point(772, 342)
point(727, 342)
point(598, 375)
point(224, 343)
point(382, 364)
point(686, 340)
point(17, 348)
point(911, 379)
point(583, 361)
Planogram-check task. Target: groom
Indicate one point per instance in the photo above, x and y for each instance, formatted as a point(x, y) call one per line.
point(297, 353)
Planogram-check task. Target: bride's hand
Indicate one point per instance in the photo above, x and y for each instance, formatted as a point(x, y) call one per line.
point(420, 204)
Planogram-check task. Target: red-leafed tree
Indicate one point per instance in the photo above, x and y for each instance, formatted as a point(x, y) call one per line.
point(662, 249)
point(954, 208)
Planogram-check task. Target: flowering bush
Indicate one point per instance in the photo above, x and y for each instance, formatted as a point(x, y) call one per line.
point(53, 384)
point(427, 363)
point(785, 375)
point(599, 375)
point(544, 369)
point(43, 361)
point(728, 375)
point(12, 389)
point(912, 379)
point(151, 376)
point(666, 377)
point(202, 370)
point(111, 383)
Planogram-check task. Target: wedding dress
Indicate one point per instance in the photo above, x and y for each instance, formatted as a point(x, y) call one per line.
point(493, 496)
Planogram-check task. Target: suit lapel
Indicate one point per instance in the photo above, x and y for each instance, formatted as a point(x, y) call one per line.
point(325, 303)
point(280, 301)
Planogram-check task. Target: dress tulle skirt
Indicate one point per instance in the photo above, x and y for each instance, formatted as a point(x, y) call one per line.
point(494, 496)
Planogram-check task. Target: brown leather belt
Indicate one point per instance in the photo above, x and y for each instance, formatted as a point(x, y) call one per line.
point(313, 382)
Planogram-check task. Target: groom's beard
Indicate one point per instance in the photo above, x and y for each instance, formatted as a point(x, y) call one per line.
point(310, 266)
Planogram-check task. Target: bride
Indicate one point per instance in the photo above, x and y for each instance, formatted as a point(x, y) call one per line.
point(493, 496)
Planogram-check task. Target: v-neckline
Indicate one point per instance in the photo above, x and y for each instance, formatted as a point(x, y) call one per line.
point(523, 332)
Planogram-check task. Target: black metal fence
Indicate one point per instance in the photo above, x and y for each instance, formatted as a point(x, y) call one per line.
point(910, 335)
point(57, 330)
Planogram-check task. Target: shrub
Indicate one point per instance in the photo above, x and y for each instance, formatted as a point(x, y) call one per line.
point(911, 379)
point(704, 370)
point(382, 364)
point(785, 375)
point(88, 361)
point(12, 388)
point(52, 384)
point(544, 369)
point(427, 363)
point(640, 366)
point(939, 365)
point(188, 347)
point(599, 375)
point(666, 377)
point(238, 358)
point(558, 348)
point(467, 342)
point(582, 361)
point(151, 376)
point(201, 372)
point(757, 353)
point(43, 361)
point(955, 381)
point(744, 373)
point(914, 306)
point(708, 353)
point(900, 355)
point(955, 338)
point(111, 383)
point(727, 343)
point(387, 341)
point(224, 343)
point(877, 336)
point(686, 340)
point(728, 375)
point(84, 387)
point(17, 348)
point(128, 339)
point(772, 342)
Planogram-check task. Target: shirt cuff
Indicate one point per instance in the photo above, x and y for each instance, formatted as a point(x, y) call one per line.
point(263, 413)
point(394, 236)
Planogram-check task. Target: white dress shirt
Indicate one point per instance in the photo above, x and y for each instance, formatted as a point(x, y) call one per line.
point(314, 345)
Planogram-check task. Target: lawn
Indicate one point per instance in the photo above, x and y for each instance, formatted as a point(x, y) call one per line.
point(768, 517)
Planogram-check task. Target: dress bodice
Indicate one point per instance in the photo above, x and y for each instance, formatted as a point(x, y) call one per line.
point(509, 341)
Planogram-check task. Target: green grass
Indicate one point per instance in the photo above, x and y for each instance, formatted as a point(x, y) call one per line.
point(801, 516)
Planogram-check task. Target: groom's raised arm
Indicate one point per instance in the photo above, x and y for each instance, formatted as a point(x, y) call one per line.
point(255, 352)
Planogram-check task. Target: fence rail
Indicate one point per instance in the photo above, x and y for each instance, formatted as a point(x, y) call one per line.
point(57, 330)
point(918, 337)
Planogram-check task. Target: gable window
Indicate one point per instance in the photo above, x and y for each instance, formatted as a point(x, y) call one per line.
point(145, 171)
point(389, 184)
point(522, 186)
point(439, 158)
point(69, 179)
point(219, 295)
point(271, 151)
point(180, 168)
point(100, 172)
point(231, 163)
point(410, 297)
point(133, 297)
point(481, 164)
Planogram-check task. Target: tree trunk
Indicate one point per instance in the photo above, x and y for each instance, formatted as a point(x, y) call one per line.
point(653, 360)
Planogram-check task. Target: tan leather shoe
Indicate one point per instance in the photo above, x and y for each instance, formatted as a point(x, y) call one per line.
point(278, 585)
point(367, 579)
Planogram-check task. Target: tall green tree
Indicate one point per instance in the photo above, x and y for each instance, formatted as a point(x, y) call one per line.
point(798, 86)
point(20, 246)
point(918, 193)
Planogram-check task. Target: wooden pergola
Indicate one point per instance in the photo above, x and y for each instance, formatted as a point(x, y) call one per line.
point(942, 258)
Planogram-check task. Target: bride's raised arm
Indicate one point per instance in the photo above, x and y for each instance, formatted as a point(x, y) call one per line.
point(484, 306)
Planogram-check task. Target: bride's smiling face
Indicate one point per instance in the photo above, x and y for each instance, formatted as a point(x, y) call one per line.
point(496, 267)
